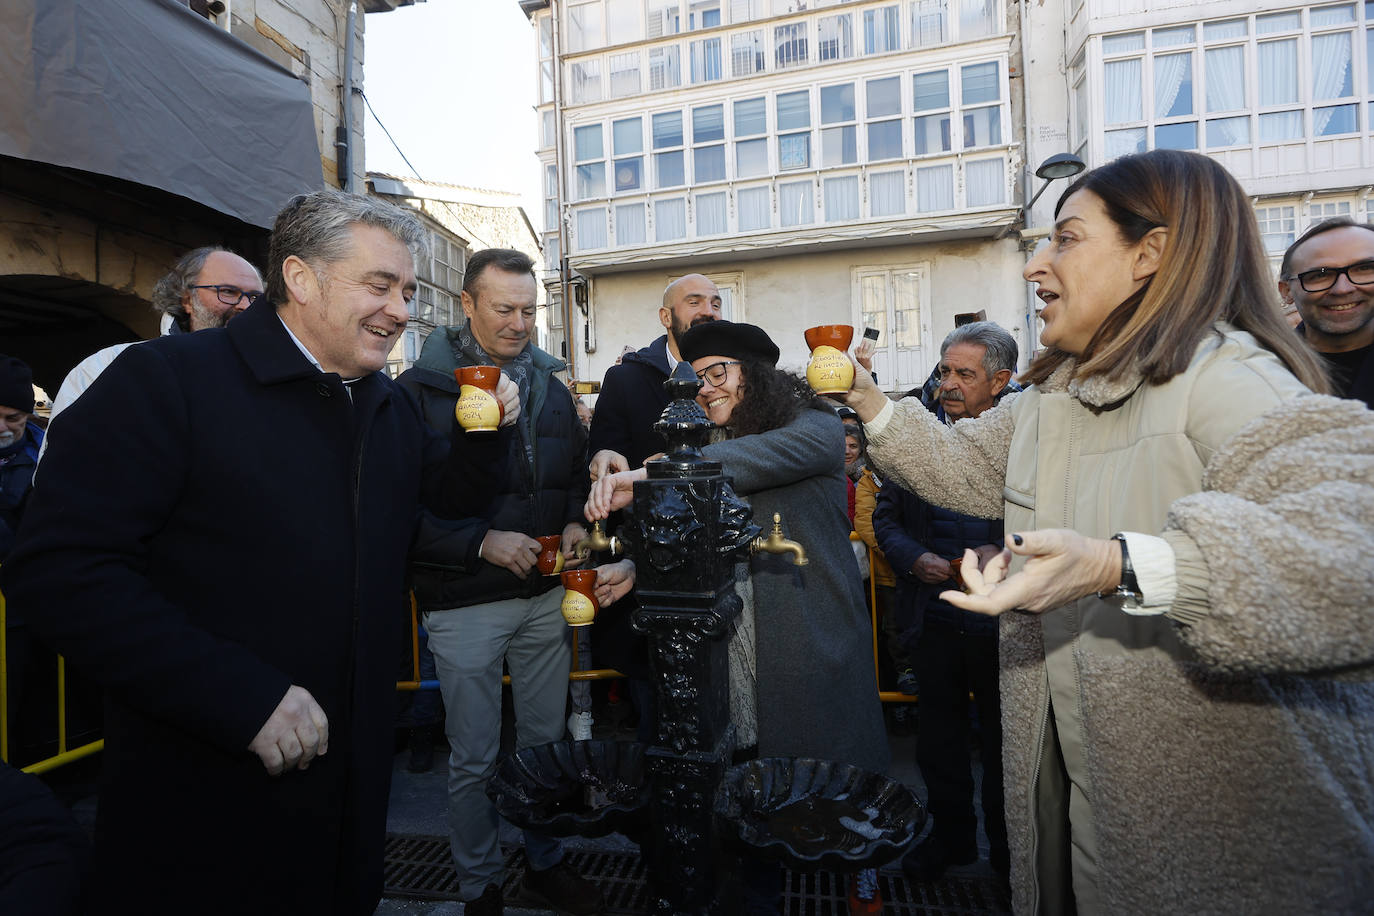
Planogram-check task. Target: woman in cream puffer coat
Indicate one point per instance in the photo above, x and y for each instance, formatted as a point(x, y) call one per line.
point(1201, 741)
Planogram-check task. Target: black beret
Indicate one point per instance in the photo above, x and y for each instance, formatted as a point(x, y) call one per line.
point(726, 338)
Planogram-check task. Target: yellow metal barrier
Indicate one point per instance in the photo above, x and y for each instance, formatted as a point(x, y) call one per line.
point(64, 754)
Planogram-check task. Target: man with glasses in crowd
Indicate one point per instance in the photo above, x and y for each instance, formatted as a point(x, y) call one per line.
point(1328, 274)
point(205, 289)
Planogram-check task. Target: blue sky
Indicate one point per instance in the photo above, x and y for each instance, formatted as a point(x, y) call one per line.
point(454, 83)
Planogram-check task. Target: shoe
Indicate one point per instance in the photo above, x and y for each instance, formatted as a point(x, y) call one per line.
point(907, 683)
point(562, 889)
point(929, 860)
point(580, 726)
point(902, 719)
point(421, 751)
point(489, 904)
point(864, 896)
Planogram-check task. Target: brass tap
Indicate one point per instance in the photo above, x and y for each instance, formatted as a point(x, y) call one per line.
point(776, 543)
point(597, 540)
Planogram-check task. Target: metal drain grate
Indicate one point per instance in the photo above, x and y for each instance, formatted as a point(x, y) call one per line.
point(419, 866)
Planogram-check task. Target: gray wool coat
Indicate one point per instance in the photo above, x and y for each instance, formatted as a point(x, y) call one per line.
point(817, 690)
point(1221, 754)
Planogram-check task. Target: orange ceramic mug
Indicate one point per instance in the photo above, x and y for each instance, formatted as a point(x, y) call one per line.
point(478, 410)
point(829, 371)
point(550, 559)
point(579, 601)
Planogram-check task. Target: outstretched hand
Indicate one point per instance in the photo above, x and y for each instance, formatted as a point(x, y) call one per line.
point(612, 492)
point(614, 581)
point(1063, 566)
point(864, 395)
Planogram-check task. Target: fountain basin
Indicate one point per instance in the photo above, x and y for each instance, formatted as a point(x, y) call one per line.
point(573, 788)
point(811, 813)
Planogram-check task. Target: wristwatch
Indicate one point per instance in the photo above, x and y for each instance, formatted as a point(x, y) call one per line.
point(1128, 592)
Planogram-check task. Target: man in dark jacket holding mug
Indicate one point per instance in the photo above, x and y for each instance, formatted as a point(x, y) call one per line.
point(491, 605)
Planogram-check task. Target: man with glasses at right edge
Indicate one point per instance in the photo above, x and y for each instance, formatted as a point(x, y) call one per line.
point(1328, 274)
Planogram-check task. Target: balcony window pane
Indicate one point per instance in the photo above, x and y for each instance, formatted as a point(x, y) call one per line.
point(884, 140)
point(629, 174)
point(746, 54)
point(887, 193)
point(1331, 70)
point(935, 188)
point(793, 109)
point(1121, 44)
point(789, 45)
point(591, 229)
point(1121, 101)
point(624, 74)
point(629, 224)
point(835, 37)
point(837, 103)
point(1338, 119)
point(1225, 78)
point(545, 37)
point(930, 90)
point(550, 213)
point(841, 199)
point(665, 18)
point(983, 127)
point(929, 22)
point(665, 68)
point(882, 30)
point(584, 26)
point(1280, 125)
point(751, 158)
point(980, 84)
point(1228, 132)
point(794, 151)
point(667, 129)
point(754, 209)
point(1278, 22)
point(1278, 72)
point(1333, 15)
point(1221, 31)
point(624, 21)
point(838, 146)
point(706, 60)
point(751, 117)
point(1176, 136)
point(1173, 85)
point(548, 134)
point(986, 182)
point(884, 97)
point(932, 134)
point(627, 136)
point(708, 163)
point(703, 14)
point(586, 81)
point(977, 19)
point(710, 213)
point(1124, 142)
point(670, 220)
point(591, 180)
point(795, 206)
point(668, 170)
point(1172, 38)
point(587, 142)
point(546, 82)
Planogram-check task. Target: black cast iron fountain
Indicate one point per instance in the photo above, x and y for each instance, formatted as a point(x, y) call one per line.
point(694, 816)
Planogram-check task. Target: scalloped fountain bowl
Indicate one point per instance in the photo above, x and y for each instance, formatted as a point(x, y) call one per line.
point(816, 813)
point(573, 788)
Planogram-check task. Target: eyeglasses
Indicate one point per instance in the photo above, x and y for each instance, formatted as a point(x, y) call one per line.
point(1314, 281)
point(231, 295)
point(716, 373)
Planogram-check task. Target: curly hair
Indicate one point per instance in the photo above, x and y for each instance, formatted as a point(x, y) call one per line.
point(770, 398)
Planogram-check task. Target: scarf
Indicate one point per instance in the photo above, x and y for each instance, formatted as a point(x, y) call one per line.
point(468, 351)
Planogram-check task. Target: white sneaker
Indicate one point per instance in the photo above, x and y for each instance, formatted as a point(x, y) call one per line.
point(580, 726)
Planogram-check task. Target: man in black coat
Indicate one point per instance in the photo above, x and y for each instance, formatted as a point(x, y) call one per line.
point(219, 538)
point(622, 436)
point(955, 651)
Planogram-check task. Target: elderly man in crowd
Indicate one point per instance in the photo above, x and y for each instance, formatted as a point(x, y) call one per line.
point(228, 560)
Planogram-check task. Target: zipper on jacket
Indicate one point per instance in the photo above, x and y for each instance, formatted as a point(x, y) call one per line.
point(1035, 788)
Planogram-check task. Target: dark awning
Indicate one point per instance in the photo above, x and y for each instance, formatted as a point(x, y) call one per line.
point(147, 91)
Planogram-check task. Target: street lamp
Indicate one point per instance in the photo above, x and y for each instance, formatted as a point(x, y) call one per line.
point(1060, 165)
